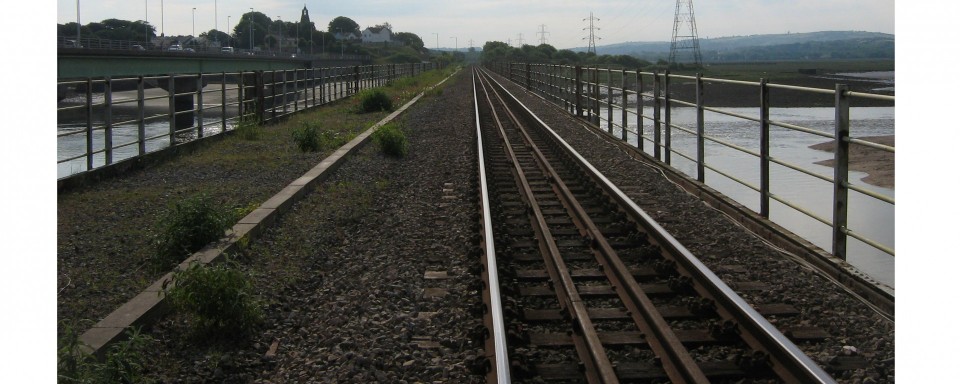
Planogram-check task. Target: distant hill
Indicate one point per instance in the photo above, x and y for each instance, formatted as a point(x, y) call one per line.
point(790, 46)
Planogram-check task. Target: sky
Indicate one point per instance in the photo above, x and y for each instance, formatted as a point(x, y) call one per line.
point(561, 23)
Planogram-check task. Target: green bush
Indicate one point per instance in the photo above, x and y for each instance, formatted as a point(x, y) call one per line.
point(187, 227)
point(307, 137)
point(123, 362)
point(375, 100)
point(218, 299)
point(391, 140)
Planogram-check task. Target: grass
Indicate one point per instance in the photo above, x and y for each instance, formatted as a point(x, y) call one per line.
point(374, 100)
point(188, 226)
point(106, 232)
point(123, 363)
point(391, 140)
point(249, 129)
point(307, 137)
point(218, 299)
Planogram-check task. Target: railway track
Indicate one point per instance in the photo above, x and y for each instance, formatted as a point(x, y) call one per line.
point(583, 286)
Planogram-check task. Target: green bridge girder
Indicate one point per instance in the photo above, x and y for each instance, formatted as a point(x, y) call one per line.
point(122, 64)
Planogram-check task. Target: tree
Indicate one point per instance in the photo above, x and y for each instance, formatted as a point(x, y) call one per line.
point(218, 36)
point(566, 57)
point(343, 24)
point(110, 29)
point(410, 40)
point(261, 24)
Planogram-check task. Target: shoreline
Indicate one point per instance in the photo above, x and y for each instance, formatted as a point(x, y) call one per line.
point(877, 164)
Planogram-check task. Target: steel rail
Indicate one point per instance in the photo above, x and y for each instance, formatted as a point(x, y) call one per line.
point(675, 359)
point(791, 363)
point(598, 368)
point(501, 362)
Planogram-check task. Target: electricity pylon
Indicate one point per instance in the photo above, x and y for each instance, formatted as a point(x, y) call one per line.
point(592, 38)
point(685, 42)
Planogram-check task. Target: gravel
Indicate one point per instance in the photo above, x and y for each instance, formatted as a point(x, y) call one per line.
point(738, 256)
point(343, 275)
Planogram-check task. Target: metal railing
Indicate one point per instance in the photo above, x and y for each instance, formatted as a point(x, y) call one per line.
point(595, 93)
point(105, 120)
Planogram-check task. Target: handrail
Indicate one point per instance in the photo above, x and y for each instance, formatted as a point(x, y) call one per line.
point(184, 113)
point(598, 94)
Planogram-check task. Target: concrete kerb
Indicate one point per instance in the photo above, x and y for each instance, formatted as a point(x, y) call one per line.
point(148, 306)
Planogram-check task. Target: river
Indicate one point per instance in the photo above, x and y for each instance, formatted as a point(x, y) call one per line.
point(870, 217)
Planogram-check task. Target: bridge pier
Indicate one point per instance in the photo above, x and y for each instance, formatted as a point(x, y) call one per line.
point(183, 90)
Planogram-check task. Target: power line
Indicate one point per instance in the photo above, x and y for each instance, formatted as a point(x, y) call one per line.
point(592, 38)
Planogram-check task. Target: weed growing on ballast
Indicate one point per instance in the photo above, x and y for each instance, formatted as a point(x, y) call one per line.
point(218, 299)
point(391, 140)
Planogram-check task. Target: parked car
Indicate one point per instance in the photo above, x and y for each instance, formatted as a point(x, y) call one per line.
point(175, 47)
point(188, 50)
point(72, 44)
point(228, 50)
point(138, 47)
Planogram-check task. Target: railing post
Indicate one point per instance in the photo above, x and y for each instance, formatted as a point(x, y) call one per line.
point(701, 157)
point(241, 97)
point(313, 86)
point(108, 121)
point(623, 105)
point(530, 81)
point(667, 130)
point(259, 83)
point(609, 100)
point(656, 115)
point(639, 111)
point(283, 90)
point(173, 110)
point(596, 96)
point(223, 102)
point(578, 89)
point(296, 91)
point(198, 107)
point(141, 124)
point(841, 171)
point(323, 89)
point(764, 149)
point(356, 79)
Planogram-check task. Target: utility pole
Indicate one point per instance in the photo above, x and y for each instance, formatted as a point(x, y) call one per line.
point(78, 22)
point(215, 41)
point(592, 38)
point(250, 22)
point(685, 42)
point(438, 40)
point(543, 32)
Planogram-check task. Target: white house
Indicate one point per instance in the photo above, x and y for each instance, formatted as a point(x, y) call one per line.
point(344, 36)
point(376, 35)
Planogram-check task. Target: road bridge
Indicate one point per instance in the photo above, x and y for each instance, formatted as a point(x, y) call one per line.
point(73, 63)
point(80, 63)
